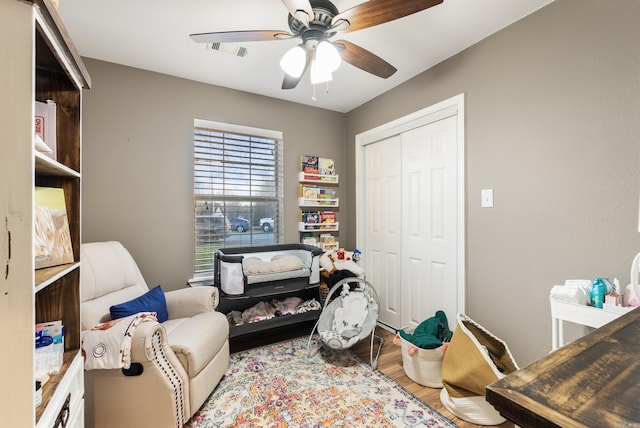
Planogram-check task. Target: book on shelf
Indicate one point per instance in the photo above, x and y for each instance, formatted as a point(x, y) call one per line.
point(327, 238)
point(309, 240)
point(45, 127)
point(310, 193)
point(328, 217)
point(331, 246)
point(52, 237)
point(309, 165)
point(326, 196)
point(328, 242)
point(326, 167)
point(310, 218)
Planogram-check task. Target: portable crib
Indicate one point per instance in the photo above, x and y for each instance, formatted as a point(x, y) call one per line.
point(348, 318)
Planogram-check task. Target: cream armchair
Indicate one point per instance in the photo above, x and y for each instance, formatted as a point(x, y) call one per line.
point(175, 364)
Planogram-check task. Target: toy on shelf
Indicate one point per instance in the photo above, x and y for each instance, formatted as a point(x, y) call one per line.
point(330, 263)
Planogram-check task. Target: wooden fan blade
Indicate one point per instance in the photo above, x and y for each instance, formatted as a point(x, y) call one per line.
point(295, 6)
point(375, 12)
point(364, 60)
point(290, 82)
point(240, 36)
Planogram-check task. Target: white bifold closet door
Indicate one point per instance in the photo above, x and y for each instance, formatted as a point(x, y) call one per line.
point(411, 223)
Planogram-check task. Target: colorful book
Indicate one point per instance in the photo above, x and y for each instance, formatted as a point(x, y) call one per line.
point(328, 217)
point(309, 164)
point(310, 217)
point(330, 246)
point(309, 240)
point(310, 193)
point(327, 238)
point(326, 196)
point(326, 167)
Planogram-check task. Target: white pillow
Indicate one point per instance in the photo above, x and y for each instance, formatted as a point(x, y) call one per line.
point(279, 263)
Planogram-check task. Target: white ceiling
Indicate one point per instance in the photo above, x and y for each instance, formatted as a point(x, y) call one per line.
point(154, 35)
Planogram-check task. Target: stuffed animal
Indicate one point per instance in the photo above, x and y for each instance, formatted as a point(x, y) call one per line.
point(329, 263)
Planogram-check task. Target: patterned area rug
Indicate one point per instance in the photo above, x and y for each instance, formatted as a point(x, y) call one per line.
point(281, 386)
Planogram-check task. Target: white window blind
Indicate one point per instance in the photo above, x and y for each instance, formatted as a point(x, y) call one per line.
point(238, 197)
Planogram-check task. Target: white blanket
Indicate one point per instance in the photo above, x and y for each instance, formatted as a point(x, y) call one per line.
point(108, 345)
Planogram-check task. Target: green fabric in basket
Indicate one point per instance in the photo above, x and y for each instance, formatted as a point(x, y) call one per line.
point(430, 333)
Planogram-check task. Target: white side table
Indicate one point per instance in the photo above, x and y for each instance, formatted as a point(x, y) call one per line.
point(579, 314)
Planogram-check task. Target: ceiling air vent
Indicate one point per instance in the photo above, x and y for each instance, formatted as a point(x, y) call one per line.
point(231, 49)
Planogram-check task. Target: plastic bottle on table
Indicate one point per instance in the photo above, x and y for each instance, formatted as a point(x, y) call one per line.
point(598, 291)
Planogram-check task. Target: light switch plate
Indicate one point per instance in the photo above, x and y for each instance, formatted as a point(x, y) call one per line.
point(487, 198)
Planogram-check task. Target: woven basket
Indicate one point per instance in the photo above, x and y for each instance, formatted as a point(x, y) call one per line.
point(324, 293)
point(425, 366)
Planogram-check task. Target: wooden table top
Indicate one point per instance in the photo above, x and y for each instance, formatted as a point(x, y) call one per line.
point(591, 382)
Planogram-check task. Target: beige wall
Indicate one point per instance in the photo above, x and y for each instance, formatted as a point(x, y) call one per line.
point(552, 112)
point(552, 125)
point(138, 159)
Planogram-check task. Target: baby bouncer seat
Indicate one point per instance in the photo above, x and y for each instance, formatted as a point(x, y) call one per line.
point(348, 318)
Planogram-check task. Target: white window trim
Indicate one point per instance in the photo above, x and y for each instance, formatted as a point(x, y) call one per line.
point(200, 279)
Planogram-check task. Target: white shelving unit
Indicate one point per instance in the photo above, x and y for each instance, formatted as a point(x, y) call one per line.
point(318, 227)
point(317, 178)
point(318, 203)
point(321, 204)
point(39, 63)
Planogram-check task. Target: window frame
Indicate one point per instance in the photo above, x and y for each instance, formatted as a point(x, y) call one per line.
point(200, 261)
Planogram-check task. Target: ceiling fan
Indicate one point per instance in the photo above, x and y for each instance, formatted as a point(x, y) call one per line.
point(317, 21)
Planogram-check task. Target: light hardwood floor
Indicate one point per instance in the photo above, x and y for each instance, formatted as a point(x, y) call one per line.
point(389, 363)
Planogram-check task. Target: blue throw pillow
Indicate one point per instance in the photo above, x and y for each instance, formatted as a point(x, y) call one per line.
point(152, 301)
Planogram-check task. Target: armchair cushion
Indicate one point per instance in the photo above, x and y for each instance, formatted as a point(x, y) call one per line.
point(151, 301)
point(198, 339)
point(190, 301)
point(96, 311)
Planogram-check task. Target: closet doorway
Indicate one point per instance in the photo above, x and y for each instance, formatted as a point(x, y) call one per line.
point(410, 213)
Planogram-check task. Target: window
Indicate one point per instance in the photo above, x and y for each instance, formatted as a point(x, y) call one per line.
point(237, 187)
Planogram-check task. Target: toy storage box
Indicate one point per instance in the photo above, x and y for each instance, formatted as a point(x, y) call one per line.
point(425, 365)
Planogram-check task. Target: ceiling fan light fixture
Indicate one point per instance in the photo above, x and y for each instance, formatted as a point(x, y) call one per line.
point(327, 55)
point(319, 73)
point(293, 61)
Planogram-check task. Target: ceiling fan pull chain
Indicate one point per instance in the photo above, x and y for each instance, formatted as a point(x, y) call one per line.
point(313, 97)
